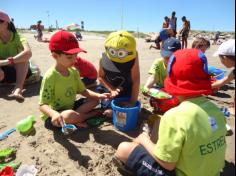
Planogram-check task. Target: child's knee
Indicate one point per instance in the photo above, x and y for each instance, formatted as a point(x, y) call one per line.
point(124, 150)
point(2, 75)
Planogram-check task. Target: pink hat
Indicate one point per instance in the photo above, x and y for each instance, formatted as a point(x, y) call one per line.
point(4, 17)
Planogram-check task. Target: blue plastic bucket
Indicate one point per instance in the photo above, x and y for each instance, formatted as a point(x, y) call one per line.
point(125, 119)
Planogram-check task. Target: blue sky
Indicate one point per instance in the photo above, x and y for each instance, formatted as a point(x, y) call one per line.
point(142, 15)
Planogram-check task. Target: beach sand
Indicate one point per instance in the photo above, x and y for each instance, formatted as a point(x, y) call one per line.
point(87, 152)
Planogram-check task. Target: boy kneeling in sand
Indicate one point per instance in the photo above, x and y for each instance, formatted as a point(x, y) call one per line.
point(61, 83)
point(191, 136)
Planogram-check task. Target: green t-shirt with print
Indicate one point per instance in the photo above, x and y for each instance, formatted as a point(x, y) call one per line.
point(193, 136)
point(158, 69)
point(13, 47)
point(59, 91)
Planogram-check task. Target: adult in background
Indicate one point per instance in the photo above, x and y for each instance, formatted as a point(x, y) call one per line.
point(166, 22)
point(39, 36)
point(173, 23)
point(14, 56)
point(185, 32)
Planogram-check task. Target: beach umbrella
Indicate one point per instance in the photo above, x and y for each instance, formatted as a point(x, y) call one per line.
point(73, 27)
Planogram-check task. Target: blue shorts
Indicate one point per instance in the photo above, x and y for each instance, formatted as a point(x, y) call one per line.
point(141, 163)
point(88, 81)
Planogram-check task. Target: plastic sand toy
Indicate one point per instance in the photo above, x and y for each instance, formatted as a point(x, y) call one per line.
point(5, 134)
point(25, 126)
point(26, 170)
point(11, 164)
point(5, 153)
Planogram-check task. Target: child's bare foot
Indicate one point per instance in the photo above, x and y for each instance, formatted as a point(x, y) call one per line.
point(232, 111)
point(108, 113)
point(17, 94)
point(82, 125)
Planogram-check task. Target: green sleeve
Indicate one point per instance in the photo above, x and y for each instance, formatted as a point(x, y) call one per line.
point(171, 139)
point(80, 85)
point(46, 90)
point(153, 68)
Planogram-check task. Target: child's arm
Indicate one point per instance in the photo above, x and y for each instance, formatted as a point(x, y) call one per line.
point(222, 82)
point(93, 95)
point(55, 116)
point(135, 75)
point(150, 82)
point(101, 75)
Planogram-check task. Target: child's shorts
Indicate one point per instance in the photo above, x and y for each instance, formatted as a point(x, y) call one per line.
point(141, 163)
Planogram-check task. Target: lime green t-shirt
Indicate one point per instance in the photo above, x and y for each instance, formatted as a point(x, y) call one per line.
point(13, 47)
point(193, 136)
point(158, 69)
point(59, 91)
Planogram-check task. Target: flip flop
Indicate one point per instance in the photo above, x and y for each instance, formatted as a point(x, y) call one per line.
point(17, 96)
point(5, 134)
point(96, 121)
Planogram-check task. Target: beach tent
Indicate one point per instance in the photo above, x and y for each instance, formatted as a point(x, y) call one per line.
point(73, 27)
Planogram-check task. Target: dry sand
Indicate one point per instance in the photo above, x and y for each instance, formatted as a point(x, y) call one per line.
point(86, 152)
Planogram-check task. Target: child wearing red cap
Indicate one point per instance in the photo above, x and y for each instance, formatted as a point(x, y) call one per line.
point(191, 135)
point(62, 82)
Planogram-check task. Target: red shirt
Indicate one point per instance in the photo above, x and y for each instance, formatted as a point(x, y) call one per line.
point(85, 68)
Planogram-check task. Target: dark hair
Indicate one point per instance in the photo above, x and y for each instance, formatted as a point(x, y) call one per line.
point(173, 13)
point(11, 27)
point(184, 18)
point(200, 42)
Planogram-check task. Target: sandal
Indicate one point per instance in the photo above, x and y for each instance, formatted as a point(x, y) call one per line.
point(17, 94)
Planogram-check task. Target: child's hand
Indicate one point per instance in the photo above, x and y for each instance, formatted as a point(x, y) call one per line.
point(142, 138)
point(57, 120)
point(115, 92)
point(105, 96)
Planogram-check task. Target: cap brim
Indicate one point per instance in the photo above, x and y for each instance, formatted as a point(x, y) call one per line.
point(166, 53)
point(75, 51)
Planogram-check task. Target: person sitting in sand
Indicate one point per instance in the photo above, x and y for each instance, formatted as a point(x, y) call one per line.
point(158, 71)
point(191, 135)
point(226, 53)
point(119, 68)
point(87, 70)
point(62, 82)
point(184, 32)
point(14, 56)
point(164, 34)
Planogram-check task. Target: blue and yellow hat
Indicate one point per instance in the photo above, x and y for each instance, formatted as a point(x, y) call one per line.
point(121, 47)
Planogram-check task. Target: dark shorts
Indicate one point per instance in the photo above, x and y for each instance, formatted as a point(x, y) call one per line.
point(141, 163)
point(185, 34)
point(88, 81)
point(10, 74)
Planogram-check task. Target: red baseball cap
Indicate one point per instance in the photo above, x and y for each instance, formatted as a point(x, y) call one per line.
point(66, 42)
point(188, 74)
point(4, 17)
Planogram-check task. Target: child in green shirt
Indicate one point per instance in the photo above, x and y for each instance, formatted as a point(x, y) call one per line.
point(191, 136)
point(62, 82)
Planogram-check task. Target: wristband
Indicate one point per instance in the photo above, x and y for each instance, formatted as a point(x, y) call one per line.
point(11, 60)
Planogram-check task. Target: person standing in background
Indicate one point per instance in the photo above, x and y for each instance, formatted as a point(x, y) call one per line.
point(173, 23)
